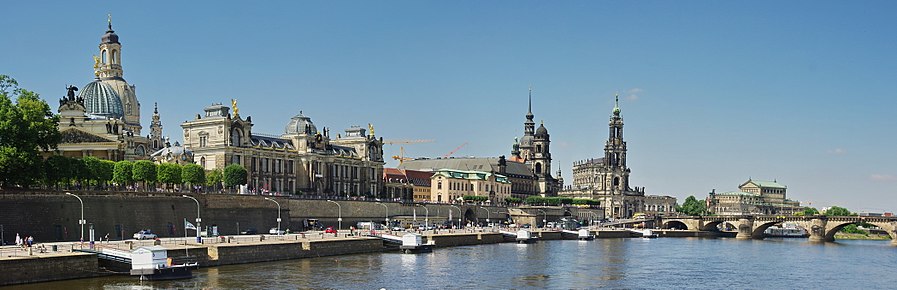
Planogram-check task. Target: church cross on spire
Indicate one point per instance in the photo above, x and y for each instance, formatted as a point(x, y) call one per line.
point(109, 19)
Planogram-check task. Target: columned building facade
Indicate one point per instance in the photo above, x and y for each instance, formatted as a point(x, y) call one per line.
point(302, 160)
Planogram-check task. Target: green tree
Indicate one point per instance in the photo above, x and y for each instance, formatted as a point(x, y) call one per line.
point(837, 211)
point(27, 127)
point(513, 200)
point(80, 173)
point(94, 166)
point(234, 175)
point(123, 174)
point(193, 174)
point(144, 171)
point(692, 206)
point(169, 174)
point(104, 172)
point(808, 211)
point(56, 169)
point(214, 178)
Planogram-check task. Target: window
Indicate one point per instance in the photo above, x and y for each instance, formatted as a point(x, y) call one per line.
point(113, 59)
point(439, 184)
point(104, 56)
point(236, 137)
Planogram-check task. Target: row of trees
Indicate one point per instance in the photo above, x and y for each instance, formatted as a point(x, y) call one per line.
point(92, 172)
point(538, 200)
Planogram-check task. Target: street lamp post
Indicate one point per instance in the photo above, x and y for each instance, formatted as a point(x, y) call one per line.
point(487, 214)
point(387, 213)
point(427, 215)
point(198, 219)
point(339, 213)
point(278, 213)
point(459, 214)
point(81, 222)
point(544, 217)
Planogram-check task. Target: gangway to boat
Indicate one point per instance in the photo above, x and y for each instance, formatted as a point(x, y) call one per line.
point(120, 259)
point(581, 234)
point(388, 238)
point(644, 233)
point(508, 234)
point(410, 243)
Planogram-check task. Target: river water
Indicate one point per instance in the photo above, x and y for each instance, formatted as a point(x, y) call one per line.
point(664, 263)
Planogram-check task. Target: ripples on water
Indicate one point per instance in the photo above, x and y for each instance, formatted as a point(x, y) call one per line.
point(665, 263)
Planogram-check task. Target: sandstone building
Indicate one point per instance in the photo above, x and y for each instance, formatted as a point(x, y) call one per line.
point(606, 179)
point(302, 160)
point(753, 197)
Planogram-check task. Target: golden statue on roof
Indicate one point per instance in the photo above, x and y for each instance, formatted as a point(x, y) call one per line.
point(371, 128)
point(96, 65)
point(233, 104)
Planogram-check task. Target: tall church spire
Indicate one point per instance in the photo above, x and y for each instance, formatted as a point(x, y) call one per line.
point(529, 111)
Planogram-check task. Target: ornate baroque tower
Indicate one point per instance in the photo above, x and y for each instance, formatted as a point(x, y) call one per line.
point(615, 153)
point(156, 129)
point(111, 73)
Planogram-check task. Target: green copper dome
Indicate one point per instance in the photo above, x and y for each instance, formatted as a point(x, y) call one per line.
point(100, 99)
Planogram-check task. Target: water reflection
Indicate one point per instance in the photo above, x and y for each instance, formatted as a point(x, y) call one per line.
point(665, 263)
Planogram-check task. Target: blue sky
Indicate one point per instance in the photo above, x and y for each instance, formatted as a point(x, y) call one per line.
point(712, 92)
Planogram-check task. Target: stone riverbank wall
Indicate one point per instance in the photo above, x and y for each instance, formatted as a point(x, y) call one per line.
point(53, 216)
point(228, 254)
point(41, 269)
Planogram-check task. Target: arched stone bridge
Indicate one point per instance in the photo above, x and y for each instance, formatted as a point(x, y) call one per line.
point(820, 228)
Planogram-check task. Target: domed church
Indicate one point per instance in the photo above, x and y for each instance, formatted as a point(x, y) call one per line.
point(103, 119)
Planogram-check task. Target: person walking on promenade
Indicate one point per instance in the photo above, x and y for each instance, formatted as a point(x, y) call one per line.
point(30, 241)
point(18, 240)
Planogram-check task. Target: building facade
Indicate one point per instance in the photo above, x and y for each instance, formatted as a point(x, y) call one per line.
point(754, 197)
point(660, 205)
point(103, 120)
point(523, 182)
point(302, 160)
point(406, 185)
point(450, 186)
point(606, 179)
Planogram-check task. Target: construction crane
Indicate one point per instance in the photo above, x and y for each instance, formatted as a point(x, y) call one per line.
point(401, 157)
point(408, 141)
point(447, 155)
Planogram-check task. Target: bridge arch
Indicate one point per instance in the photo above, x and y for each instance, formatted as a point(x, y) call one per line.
point(759, 231)
point(470, 216)
point(675, 225)
point(833, 227)
point(712, 226)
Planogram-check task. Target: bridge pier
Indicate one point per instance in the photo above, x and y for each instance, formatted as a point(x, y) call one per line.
point(817, 230)
point(745, 229)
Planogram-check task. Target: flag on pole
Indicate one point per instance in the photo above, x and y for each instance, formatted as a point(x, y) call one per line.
point(188, 225)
